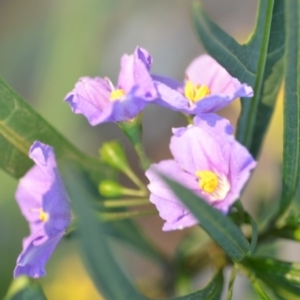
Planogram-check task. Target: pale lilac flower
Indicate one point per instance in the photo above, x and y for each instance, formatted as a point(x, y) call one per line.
point(208, 87)
point(99, 101)
point(208, 161)
point(44, 203)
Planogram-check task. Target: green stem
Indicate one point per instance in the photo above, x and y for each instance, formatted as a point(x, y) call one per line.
point(118, 216)
point(131, 175)
point(231, 282)
point(133, 129)
point(135, 193)
point(183, 284)
point(112, 203)
point(139, 149)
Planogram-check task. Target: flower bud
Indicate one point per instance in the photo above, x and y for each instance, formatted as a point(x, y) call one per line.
point(109, 188)
point(113, 154)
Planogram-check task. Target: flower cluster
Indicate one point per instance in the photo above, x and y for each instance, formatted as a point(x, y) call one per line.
point(207, 158)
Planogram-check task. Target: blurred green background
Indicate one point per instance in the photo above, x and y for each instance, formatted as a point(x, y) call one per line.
point(45, 46)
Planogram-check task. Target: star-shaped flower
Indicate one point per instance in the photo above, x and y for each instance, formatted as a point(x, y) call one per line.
point(209, 161)
point(208, 87)
point(100, 101)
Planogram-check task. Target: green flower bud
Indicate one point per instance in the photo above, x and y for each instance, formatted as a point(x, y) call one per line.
point(113, 154)
point(109, 188)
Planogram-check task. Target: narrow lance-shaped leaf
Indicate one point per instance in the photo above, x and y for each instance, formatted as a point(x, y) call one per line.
point(272, 77)
point(212, 291)
point(103, 268)
point(291, 134)
point(281, 289)
point(282, 277)
point(258, 63)
point(281, 270)
point(20, 125)
point(221, 229)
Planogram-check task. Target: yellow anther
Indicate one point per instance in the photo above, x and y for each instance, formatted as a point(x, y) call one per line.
point(43, 216)
point(195, 92)
point(116, 94)
point(208, 181)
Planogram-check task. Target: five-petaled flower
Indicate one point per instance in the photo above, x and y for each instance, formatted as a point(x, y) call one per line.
point(207, 160)
point(208, 87)
point(44, 202)
point(99, 101)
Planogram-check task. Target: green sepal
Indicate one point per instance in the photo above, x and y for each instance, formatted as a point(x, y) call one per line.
point(23, 288)
point(133, 129)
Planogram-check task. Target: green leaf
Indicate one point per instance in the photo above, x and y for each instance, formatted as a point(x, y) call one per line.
point(282, 289)
point(291, 134)
point(273, 268)
point(254, 279)
point(212, 291)
point(20, 125)
point(254, 234)
point(282, 277)
point(259, 290)
point(129, 233)
point(221, 229)
point(103, 268)
point(23, 289)
point(258, 63)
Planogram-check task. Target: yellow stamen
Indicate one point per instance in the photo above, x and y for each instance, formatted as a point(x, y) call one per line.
point(43, 216)
point(208, 181)
point(195, 92)
point(116, 94)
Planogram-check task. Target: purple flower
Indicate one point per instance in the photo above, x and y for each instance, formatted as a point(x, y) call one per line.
point(207, 160)
point(208, 87)
point(44, 203)
point(99, 101)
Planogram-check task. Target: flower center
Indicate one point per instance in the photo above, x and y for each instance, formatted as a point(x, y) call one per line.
point(43, 216)
point(216, 186)
point(195, 92)
point(116, 94)
point(208, 181)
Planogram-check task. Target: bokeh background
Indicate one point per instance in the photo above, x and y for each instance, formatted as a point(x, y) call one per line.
point(45, 46)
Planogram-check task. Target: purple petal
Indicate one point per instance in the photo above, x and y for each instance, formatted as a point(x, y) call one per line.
point(90, 97)
point(169, 206)
point(134, 77)
point(170, 98)
point(33, 259)
point(41, 190)
point(201, 147)
point(204, 70)
point(241, 164)
point(213, 123)
point(123, 110)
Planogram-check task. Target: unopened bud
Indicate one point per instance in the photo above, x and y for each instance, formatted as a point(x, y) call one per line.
point(109, 188)
point(113, 154)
